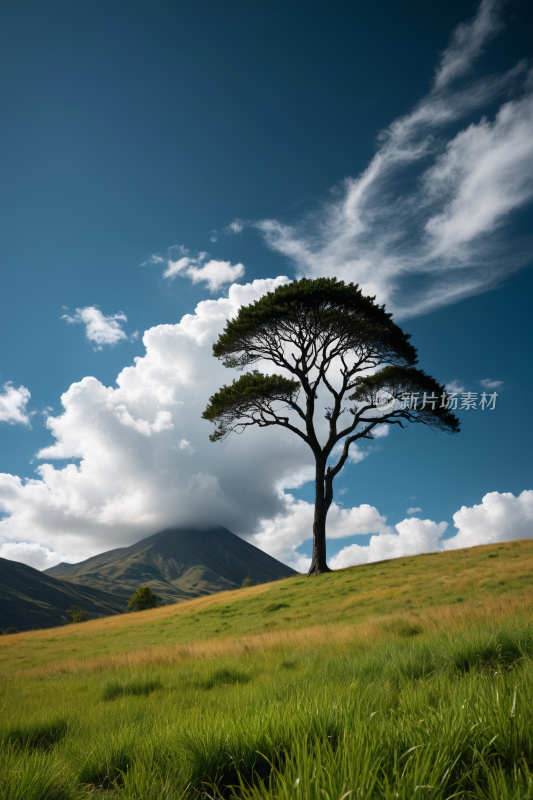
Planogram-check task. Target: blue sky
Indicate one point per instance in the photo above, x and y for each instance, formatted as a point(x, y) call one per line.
point(388, 145)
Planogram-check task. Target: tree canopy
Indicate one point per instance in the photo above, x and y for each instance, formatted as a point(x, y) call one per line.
point(76, 614)
point(332, 340)
point(143, 599)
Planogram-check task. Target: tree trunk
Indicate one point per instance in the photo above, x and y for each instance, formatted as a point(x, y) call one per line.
point(318, 561)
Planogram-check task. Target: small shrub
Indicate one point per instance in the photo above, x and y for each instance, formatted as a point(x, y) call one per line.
point(76, 614)
point(144, 599)
point(248, 582)
point(8, 631)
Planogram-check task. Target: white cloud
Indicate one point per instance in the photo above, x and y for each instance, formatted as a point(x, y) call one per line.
point(488, 384)
point(34, 555)
point(281, 535)
point(13, 404)
point(467, 43)
point(455, 387)
point(380, 431)
point(145, 459)
point(214, 273)
point(183, 444)
point(424, 224)
point(236, 226)
point(414, 510)
point(99, 328)
point(412, 536)
point(499, 518)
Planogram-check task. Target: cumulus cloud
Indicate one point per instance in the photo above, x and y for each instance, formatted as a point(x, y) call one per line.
point(499, 518)
point(142, 456)
point(424, 224)
point(142, 459)
point(99, 328)
point(414, 510)
point(214, 273)
point(413, 536)
point(489, 384)
point(13, 404)
point(282, 534)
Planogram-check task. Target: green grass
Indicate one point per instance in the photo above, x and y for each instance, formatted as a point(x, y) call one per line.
point(419, 585)
point(435, 703)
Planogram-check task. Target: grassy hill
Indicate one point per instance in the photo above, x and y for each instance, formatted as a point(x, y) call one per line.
point(28, 598)
point(407, 678)
point(178, 564)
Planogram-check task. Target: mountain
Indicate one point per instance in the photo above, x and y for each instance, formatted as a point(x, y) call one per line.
point(29, 598)
point(177, 564)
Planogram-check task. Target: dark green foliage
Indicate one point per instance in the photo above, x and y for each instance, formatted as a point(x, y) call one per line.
point(246, 395)
point(76, 614)
point(135, 688)
point(37, 736)
point(8, 631)
point(321, 308)
point(248, 582)
point(144, 599)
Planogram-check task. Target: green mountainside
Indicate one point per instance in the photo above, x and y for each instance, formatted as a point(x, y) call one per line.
point(29, 598)
point(177, 564)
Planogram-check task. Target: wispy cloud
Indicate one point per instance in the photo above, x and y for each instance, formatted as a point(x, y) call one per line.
point(415, 510)
point(424, 224)
point(99, 329)
point(467, 43)
point(488, 384)
point(13, 404)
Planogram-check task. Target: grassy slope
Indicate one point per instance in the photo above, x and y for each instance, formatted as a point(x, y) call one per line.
point(431, 584)
point(373, 680)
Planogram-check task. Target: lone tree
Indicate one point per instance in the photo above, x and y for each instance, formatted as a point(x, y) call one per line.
point(144, 598)
point(76, 614)
point(331, 339)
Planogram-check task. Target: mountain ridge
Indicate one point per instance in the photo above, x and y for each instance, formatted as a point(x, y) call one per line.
point(29, 598)
point(177, 563)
